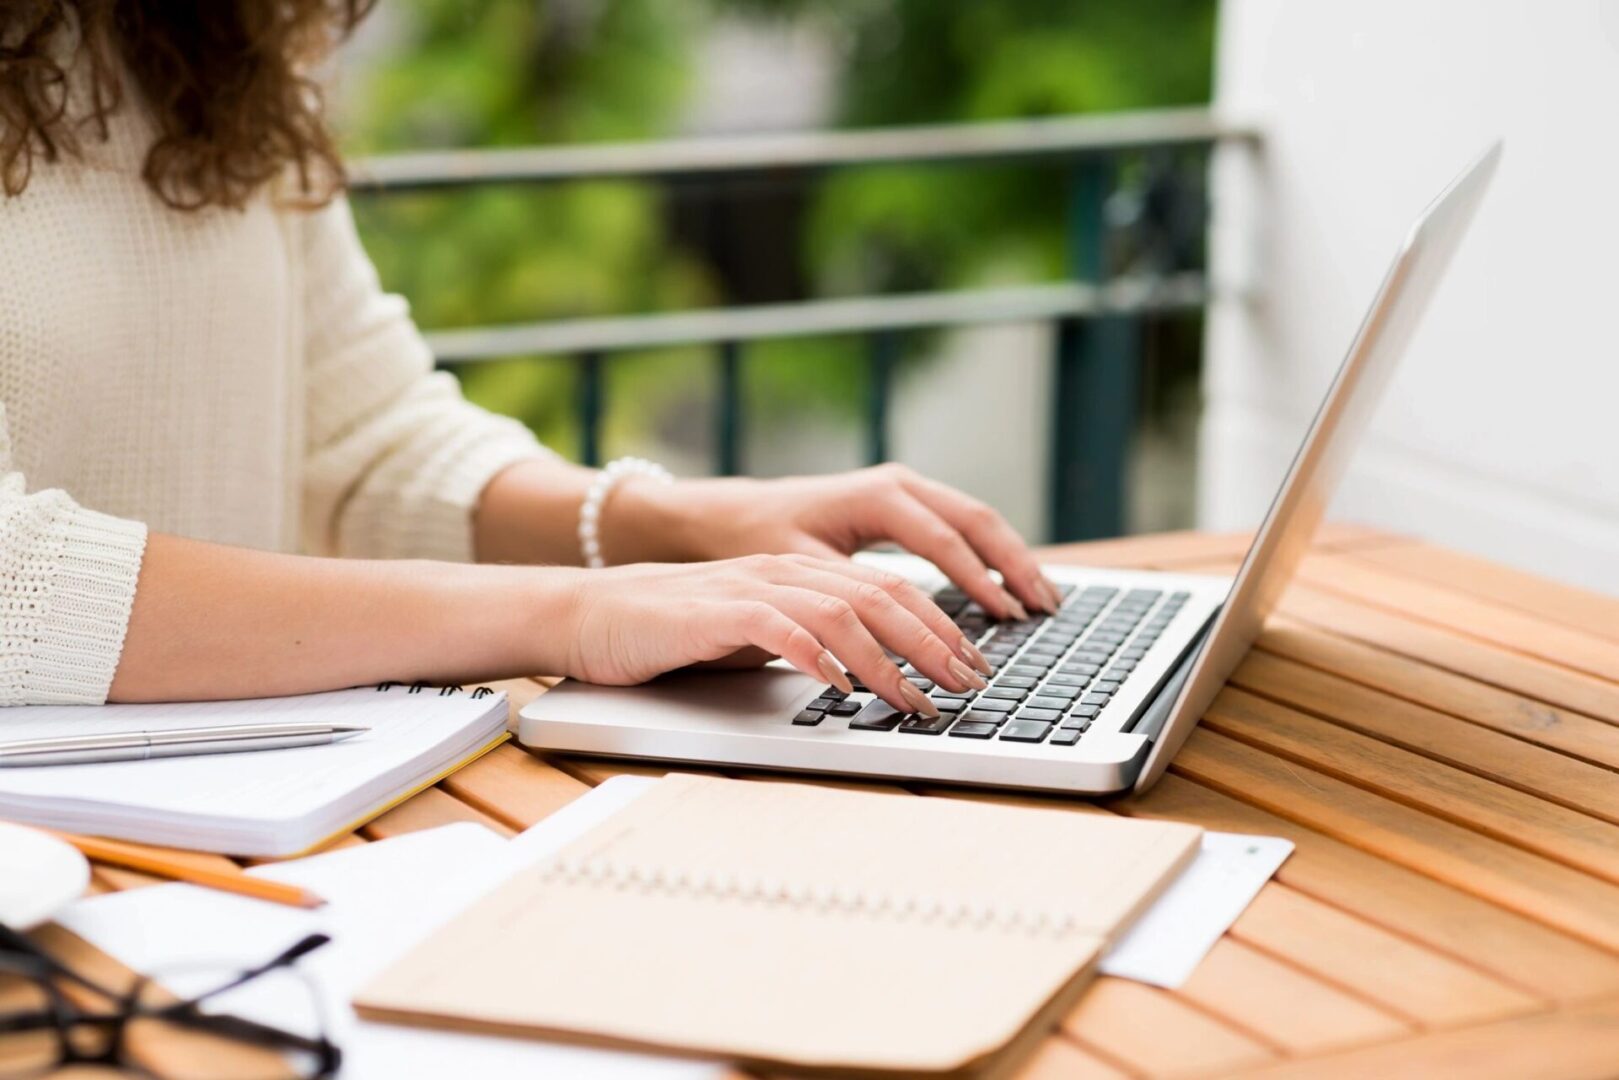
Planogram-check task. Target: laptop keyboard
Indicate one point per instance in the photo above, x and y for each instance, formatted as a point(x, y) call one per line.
point(1053, 674)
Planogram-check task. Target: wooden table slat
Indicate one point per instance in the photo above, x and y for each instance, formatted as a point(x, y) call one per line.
point(1472, 798)
point(1509, 876)
point(1283, 1007)
point(428, 810)
point(1443, 691)
point(1059, 1059)
point(1579, 609)
point(514, 786)
point(1449, 650)
point(1153, 1032)
point(1506, 627)
point(1580, 1043)
point(1515, 950)
point(1412, 981)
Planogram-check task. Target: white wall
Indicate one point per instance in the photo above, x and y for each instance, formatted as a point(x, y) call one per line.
point(1500, 435)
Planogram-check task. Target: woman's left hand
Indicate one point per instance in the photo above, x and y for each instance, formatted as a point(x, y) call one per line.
point(831, 516)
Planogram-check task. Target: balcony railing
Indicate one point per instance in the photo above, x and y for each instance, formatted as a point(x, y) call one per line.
point(1135, 251)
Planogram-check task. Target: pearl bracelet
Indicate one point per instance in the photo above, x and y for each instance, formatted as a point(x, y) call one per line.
point(596, 497)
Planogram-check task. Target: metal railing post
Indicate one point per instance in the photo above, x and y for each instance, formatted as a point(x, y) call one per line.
point(882, 350)
point(588, 401)
point(1096, 380)
point(728, 415)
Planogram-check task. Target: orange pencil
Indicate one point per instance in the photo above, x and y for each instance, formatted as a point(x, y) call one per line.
point(153, 861)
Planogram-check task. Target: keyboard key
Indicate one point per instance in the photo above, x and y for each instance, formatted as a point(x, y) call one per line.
point(949, 705)
point(1048, 716)
point(989, 704)
point(1064, 694)
point(972, 729)
point(854, 681)
point(1025, 731)
point(1066, 736)
point(844, 708)
point(1074, 723)
point(922, 684)
point(1020, 681)
point(1024, 671)
point(1094, 699)
point(1084, 712)
point(980, 716)
point(1009, 693)
point(1104, 686)
point(831, 694)
point(927, 725)
point(940, 692)
point(878, 715)
point(1123, 665)
point(1055, 704)
point(809, 718)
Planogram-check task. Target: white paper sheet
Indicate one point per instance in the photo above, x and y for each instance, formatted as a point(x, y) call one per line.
point(382, 898)
point(1169, 940)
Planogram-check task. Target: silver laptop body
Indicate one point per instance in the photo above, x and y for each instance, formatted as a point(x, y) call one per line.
point(1147, 650)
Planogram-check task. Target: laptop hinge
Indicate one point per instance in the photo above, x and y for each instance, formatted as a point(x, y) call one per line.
point(1151, 719)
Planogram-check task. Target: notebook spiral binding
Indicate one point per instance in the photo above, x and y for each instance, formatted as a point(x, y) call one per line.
point(443, 691)
point(601, 873)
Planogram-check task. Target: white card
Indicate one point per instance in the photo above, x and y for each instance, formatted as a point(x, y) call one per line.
point(1169, 940)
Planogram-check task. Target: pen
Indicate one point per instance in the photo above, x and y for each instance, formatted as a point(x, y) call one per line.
point(140, 745)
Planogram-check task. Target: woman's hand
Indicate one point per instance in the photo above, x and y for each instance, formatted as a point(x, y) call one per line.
point(630, 623)
point(831, 517)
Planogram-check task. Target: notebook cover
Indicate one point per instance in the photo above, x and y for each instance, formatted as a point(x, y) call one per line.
point(794, 928)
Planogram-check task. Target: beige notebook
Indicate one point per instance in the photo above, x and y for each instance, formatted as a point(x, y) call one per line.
point(794, 927)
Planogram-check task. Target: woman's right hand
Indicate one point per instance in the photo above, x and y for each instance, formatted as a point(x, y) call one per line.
point(630, 623)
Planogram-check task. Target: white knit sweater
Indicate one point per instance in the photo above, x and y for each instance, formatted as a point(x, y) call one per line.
point(235, 376)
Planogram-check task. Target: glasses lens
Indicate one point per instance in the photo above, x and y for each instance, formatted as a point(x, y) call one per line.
point(266, 1029)
point(30, 1042)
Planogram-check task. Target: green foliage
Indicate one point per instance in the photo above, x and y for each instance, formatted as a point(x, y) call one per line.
point(522, 72)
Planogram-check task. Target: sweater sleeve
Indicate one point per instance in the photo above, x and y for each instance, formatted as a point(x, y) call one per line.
point(396, 457)
point(67, 582)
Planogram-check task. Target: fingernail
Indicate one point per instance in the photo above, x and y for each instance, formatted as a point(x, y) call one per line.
point(969, 652)
point(917, 700)
point(1014, 610)
point(832, 672)
point(966, 675)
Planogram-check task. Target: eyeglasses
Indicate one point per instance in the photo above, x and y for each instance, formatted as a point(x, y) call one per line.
point(147, 1030)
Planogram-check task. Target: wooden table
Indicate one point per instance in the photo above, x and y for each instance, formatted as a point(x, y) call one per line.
point(1439, 736)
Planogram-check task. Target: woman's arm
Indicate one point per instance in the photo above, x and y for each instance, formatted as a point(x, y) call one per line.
point(220, 622)
point(211, 621)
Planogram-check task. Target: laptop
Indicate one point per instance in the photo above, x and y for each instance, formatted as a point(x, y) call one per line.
point(1094, 699)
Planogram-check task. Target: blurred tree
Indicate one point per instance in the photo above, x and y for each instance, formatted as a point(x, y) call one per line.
point(505, 72)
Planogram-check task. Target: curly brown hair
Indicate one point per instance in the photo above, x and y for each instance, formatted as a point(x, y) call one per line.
point(227, 82)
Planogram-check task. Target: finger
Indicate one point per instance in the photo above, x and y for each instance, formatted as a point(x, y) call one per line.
point(760, 625)
point(912, 523)
point(992, 537)
point(904, 618)
point(837, 623)
point(817, 549)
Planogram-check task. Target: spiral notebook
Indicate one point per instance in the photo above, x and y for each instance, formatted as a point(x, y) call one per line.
point(261, 802)
point(796, 928)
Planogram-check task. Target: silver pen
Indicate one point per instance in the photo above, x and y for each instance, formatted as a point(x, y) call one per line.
point(140, 745)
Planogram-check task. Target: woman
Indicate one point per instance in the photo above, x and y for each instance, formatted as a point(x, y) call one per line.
point(220, 442)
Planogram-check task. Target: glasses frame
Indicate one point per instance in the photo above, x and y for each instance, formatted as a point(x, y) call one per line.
point(21, 957)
